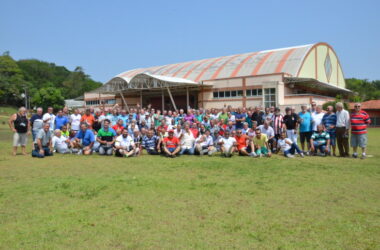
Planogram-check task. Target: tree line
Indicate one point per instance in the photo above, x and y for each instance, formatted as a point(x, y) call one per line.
point(45, 83)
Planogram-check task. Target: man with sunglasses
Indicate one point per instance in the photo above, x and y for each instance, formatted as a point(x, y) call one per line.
point(359, 121)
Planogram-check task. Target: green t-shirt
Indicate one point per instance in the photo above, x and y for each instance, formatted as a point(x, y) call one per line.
point(106, 135)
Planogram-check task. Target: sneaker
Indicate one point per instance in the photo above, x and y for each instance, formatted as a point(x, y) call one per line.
point(290, 156)
point(354, 155)
point(302, 155)
point(80, 152)
point(363, 156)
point(253, 154)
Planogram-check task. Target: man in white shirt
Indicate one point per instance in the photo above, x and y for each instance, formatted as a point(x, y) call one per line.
point(227, 144)
point(342, 129)
point(287, 146)
point(269, 131)
point(49, 117)
point(316, 117)
point(60, 143)
point(204, 143)
point(125, 146)
point(187, 141)
point(75, 120)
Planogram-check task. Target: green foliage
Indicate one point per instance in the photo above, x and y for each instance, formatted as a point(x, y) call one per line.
point(49, 96)
point(41, 79)
point(365, 90)
point(332, 103)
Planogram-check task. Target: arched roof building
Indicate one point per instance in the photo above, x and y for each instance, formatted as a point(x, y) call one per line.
point(289, 74)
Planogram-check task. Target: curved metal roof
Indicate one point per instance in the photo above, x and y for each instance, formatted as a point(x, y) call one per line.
point(285, 60)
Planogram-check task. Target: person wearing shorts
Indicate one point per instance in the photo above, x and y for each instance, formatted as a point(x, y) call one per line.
point(20, 125)
point(171, 145)
point(260, 142)
point(359, 121)
point(227, 144)
point(305, 127)
point(84, 140)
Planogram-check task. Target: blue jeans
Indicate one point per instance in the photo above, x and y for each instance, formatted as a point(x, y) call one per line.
point(36, 152)
point(293, 149)
point(321, 147)
point(189, 151)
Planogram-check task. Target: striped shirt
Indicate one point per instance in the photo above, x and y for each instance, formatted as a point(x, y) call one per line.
point(359, 122)
point(149, 143)
point(278, 121)
point(328, 120)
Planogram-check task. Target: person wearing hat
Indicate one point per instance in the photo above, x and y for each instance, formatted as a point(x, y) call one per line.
point(171, 145)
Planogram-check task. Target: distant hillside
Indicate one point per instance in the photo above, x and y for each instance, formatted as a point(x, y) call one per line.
point(46, 83)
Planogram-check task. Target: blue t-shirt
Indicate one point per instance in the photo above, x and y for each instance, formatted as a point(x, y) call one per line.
point(87, 137)
point(305, 125)
point(125, 119)
point(60, 121)
point(239, 124)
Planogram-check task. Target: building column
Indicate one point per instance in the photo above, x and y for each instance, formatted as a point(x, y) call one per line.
point(280, 95)
point(244, 85)
point(163, 101)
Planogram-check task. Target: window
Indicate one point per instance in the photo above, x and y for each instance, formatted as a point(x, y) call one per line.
point(233, 93)
point(227, 94)
point(248, 92)
point(254, 92)
point(111, 101)
point(240, 93)
point(215, 94)
point(93, 102)
point(269, 97)
point(221, 94)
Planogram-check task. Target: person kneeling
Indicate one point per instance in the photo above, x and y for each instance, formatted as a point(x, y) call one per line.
point(106, 137)
point(320, 140)
point(228, 144)
point(204, 144)
point(171, 145)
point(42, 143)
point(60, 143)
point(125, 146)
point(287, 146)
point(84, 140)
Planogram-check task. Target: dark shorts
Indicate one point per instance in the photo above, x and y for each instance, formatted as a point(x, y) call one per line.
point(305, 136)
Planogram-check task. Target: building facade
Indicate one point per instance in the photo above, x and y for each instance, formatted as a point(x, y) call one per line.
point(280, 77)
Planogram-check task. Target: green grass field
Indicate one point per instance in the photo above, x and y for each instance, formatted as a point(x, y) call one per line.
point(69, 201)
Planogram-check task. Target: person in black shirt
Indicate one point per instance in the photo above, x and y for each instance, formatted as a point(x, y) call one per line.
point(291, 121)
point(257, 116)
point(20, 125)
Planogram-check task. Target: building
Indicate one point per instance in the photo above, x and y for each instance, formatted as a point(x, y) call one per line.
point(279, 77)
point(372, 107)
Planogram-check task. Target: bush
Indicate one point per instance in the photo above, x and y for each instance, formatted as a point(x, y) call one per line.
point(332, 103)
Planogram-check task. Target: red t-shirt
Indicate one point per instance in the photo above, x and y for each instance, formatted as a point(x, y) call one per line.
point(195, 132)
point(171, 143)
point(359, 122)
point(241, 141)
point(117, 126)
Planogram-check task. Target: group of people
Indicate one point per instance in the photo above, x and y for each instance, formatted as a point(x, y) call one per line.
point(254, 132)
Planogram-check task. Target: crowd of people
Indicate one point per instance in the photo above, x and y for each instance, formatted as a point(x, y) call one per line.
point(253, 132)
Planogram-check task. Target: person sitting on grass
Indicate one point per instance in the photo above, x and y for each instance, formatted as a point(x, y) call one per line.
point(171, 145)
point(227, 144)
point(125, 146)
point(243, 144)
point(60, 143)
point(320, 140)
point(149, 143)
point(42, 143)
point(261, 146)
point(106, 137)
point(187, 141)
point(84, 139)
point(204, 144)
point(287, 146)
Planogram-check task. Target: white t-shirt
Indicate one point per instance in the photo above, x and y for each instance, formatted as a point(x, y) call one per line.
point(59, 144)
point(51, 121)
point(207, 142)
point(187, 140)
point(75, 121)
point(124, 142)
point(316, 119)
point(177, 133)
point(228, 142)
point(281, 143)
point(268, 131)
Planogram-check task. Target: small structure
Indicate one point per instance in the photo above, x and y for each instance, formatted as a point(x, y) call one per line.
point(279, 77)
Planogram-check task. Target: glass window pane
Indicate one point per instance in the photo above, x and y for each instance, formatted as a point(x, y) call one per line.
point(259, 92)
point(248, 92)
point(215, 94)
point(266, 91)
point(233, 93)
point(227, 94)
point(240, 92)
point(254, 92)
point(221, 94)
point(273, 91)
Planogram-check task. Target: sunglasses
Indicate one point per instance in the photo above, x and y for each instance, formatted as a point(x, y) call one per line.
point(357, 106)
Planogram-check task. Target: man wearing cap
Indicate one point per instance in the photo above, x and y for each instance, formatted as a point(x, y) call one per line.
point(171, 145)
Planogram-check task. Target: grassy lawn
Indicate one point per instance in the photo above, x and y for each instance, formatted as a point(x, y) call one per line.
point(79, 202)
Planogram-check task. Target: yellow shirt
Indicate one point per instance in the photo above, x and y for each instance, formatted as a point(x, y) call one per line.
point(260, 141)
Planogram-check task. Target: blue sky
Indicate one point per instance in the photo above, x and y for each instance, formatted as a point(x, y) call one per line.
point(109, 37)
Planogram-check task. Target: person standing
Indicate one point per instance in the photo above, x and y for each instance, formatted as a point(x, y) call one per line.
point(342, 129)
point(359, 121)
point(20, 125)
point(60, 120)
point(291, 125)
point(75, 120)
point(305, 128)
point(49, 117)
point(329, 121)
point(316, 117)
point(36, 122)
